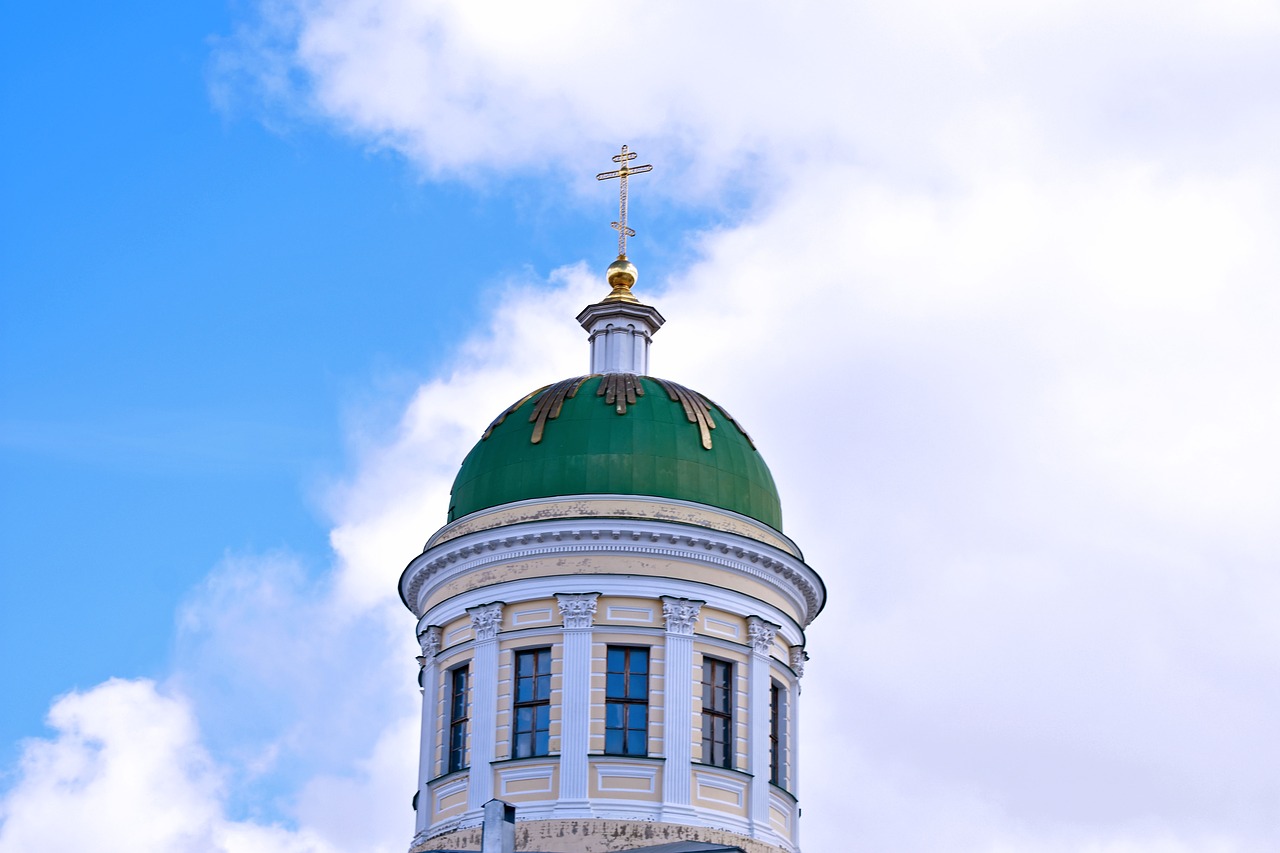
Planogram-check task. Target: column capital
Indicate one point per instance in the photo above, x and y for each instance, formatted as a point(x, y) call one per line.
point(798, 657)
point(578, 610)
point(681, 614)
point(486, 620)
point(760, 634)
point(429, 639)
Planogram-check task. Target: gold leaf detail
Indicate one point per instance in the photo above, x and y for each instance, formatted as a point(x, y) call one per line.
point(731, 420)
point(497, 422)
point(695, 408)
point(620, 390)
point(549, 404)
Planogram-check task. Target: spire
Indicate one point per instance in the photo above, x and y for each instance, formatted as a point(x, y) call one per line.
point(620, 326)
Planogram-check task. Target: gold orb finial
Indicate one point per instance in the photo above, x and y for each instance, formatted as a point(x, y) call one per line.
point(621, 275)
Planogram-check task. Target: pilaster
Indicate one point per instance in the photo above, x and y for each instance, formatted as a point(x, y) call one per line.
point(681, 615)
point(798, 658)
point(760, 635)
point(486, 622)
point(428, 676)
point(577, 612)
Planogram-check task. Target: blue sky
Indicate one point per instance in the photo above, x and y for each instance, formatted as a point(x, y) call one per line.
point(992, 286)
point(191, 301)
point(195, 304)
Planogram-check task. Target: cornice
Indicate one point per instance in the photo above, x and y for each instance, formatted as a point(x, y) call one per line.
point(483, 549)
point(622, 507)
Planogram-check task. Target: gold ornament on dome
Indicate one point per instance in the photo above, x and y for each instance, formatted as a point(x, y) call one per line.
point(549, 404)
point(619, 390)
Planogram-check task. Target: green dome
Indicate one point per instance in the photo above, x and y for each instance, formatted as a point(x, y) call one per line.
point(617, 434)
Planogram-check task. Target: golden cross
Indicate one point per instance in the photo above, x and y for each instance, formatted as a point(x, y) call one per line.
point(621, 225)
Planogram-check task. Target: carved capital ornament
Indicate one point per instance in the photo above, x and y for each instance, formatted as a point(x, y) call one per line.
point(430, 642)
point(578, 610)
point(486, 620)
point(681, 614)
point(760, 634)
point(798, 657)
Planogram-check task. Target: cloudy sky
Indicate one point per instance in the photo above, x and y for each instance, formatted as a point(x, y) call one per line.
point(994, 285)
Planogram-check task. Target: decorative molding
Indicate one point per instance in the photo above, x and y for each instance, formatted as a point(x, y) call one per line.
point(614, 507)
point(577, 609)
point(760, 634)
point(646, 773)
point(798, 657)
point(625, 586)
point(443, 792)
point(618, 613)
point(535, 616)
point(714, 548)
point(539, 773)
point(681, 614)
point(736, 788)
point(486, 620)
point(719, 626)
point(430, 642)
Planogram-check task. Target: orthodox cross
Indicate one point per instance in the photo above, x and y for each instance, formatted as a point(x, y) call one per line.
point(621, 225)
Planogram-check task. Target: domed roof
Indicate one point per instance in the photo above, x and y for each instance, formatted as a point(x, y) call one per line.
point(619, 434)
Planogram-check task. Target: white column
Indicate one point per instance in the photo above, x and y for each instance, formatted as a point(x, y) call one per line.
point(640, 355)
point(575, 706)
point(618, 338)
point(760, 635)
point(486, 621)
point(677, 731)
point(598, 362)
point(430, 642)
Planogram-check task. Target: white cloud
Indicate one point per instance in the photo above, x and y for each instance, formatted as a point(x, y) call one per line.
point(126, 772)
point(921, 90)
point(1001, 317)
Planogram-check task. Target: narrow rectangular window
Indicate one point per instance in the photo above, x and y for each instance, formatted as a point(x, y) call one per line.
point(717, 712)
point(777, 741)
point(626, 707)
point(532, 702)
point(459, 711)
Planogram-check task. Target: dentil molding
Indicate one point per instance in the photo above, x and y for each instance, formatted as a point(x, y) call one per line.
point(469, 553)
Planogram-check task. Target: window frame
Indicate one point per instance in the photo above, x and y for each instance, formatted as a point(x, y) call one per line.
point(538, 706)
point(627, 702)
point(718, 718)
point(777, 733)
point(459, 718)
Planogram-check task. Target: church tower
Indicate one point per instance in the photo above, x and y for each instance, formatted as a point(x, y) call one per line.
point(612, 620)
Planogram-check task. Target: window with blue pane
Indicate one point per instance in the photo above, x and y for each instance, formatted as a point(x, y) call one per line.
point(459, 713)
point(533, 702)
point(626, 707)
point(777, 733)
point(717, 712)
